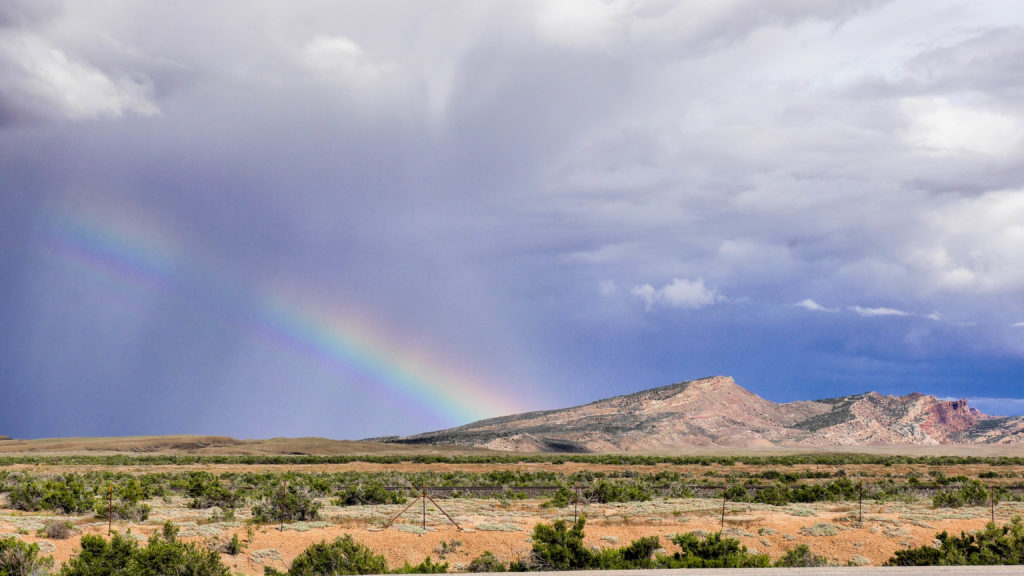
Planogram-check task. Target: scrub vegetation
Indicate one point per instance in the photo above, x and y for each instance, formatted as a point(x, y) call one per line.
point(818, 495)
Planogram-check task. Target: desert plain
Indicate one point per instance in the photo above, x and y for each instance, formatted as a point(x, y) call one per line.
point(846, 532)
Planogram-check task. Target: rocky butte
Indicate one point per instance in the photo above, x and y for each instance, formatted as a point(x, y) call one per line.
point(717, 412)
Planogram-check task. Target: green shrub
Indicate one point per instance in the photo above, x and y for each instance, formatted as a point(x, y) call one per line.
point(26, 495)
point(774, 494)
point(558, 547)
point(638, 555)
point(128, 511)
point(993, 545)
point(970, 493)
point(101, 557)
point(65, 494)
point(207, 493)
point(561, 498)
point(605, 491)
point(295, 505)
point(486, 562)
point(712, 551)
point(164, 555)
point(342, 556)
point(366, 494)
point(736, 493)
point(801, 557)
point(428, 566)
point(782, 494)
point(234, 546)
point(127, 502)
point(20, 559)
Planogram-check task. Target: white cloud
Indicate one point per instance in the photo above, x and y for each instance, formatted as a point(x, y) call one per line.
point(607, 288)
point(944, 128)
point(868, 312)
point(680, 293)
point(971, 244)
point(338, 55)
point(809, 304)
point(48, 81)
point(582, 24)
point(1017, 325)
point(934, 316)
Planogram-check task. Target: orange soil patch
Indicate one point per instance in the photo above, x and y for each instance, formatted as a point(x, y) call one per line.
point(771, 530)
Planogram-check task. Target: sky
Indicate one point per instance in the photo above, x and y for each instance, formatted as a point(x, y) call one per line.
point(357, 219)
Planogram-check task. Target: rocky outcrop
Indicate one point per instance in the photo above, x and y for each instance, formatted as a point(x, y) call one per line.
point(717, 412)
point(954, 416)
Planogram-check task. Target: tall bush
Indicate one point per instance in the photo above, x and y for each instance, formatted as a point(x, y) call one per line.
point(993, 545)
point(288, 505)
point(712, 551)
point(20, 559)
point(556, 546)
point(163, 555)
point(342, 556)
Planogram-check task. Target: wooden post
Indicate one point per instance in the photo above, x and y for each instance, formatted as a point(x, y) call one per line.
point(992, 499)
point(424, 525)
point(284, 494)
point(575, 499)
point(860, 502)
point(725, 489)
point(110, 509)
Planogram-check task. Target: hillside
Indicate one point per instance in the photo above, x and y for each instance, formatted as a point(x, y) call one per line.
point(716, 412)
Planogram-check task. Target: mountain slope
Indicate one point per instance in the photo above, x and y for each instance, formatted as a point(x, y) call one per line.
point(717, 412)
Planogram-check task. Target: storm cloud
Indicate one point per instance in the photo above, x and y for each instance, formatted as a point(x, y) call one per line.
point(558, 201)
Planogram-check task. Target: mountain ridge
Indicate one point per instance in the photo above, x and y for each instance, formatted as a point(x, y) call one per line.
point(717, 412)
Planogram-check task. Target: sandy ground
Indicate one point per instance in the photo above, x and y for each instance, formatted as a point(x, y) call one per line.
point(504, 528)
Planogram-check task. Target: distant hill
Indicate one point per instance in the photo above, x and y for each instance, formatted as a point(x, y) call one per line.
point(217, 445)
point(715, 412)
point(711, 415)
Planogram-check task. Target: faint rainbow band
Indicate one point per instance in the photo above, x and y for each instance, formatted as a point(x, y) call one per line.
point(130, 246)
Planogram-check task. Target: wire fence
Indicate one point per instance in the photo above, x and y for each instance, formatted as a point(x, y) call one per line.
point(870, 491)
point(726, 495)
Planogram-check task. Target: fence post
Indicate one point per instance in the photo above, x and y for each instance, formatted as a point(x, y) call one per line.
point(725, 490)
point(992, 499)
point(424, 526)
point(575, 499)
point(110, 509)
point(860, 502)
point(284, 494)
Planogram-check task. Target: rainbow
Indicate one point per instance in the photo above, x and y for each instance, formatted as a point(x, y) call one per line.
point(133, 249)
